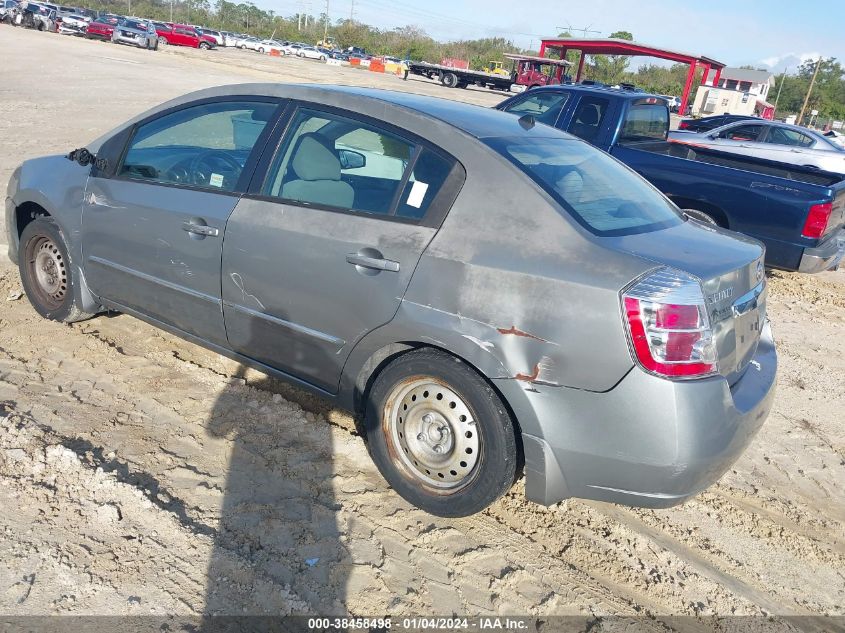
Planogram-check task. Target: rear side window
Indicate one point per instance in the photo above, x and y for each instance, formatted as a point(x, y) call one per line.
point(785, 136)
point(599, 192)
point(588, 117)
point(545, 107)
point(645, 123)
point(332, 161)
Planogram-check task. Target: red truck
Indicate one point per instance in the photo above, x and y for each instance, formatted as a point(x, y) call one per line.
point(183, 35)
point(101, 28)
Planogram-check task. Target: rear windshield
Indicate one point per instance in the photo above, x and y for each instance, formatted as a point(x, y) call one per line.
point(603, 195)
point(647, 122)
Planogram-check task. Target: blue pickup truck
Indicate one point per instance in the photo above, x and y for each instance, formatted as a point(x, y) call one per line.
point(797, 212)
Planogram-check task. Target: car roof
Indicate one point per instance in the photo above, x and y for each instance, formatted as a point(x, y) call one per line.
point(621, 92)
point(477, 121)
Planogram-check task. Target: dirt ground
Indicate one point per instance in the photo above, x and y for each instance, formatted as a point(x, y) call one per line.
point(140, 474)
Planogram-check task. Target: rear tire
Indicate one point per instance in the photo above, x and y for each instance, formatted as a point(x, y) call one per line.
point(450, 80)
point(203, 46)
point(46, 272)
point(440, 435)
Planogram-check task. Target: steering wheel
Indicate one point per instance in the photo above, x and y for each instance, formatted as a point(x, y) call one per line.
point(202, 177)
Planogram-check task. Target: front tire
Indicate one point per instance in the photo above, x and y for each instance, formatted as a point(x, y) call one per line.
point(163, 41)
point(46, 272)
point(440, 435)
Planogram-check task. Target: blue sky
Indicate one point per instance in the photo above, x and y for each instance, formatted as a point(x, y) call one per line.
point(775, 33)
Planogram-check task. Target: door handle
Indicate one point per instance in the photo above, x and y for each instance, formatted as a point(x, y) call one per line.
point(200, 229)
point(373, 263)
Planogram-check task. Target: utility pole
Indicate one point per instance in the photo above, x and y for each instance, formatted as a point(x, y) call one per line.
point(171, 11)
point(352, 11)
point(326, 25)
point(809, 92)
point(780, 85)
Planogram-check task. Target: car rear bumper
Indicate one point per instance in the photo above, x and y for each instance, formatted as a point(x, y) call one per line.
point(825, 256)
point(647, 442)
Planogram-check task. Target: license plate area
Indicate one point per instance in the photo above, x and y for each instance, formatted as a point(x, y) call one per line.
point(749, 317)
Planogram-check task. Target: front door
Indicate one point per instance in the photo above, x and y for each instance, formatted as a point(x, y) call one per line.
point(324, 251)
point(152, 233)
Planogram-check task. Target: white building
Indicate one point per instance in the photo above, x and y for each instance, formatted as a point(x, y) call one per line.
point(739, 91)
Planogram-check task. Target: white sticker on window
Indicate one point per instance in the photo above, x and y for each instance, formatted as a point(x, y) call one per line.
point(417, 194)
point(216, 180)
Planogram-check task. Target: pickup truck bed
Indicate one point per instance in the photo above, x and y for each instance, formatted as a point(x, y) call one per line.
point(767, 200)
point(764, 199)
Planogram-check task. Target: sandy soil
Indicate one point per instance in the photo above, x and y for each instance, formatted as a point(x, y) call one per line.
point(140, 474)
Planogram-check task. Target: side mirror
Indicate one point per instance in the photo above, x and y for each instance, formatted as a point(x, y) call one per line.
point(350, 159)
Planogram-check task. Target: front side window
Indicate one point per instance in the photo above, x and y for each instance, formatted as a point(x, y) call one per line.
point(545, 107)
point(586, 122)
point(329, 160)
point(597, 191)
point(743, 133)
point(204, 145)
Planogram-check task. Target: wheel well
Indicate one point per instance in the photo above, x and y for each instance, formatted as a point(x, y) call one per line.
point(26, 213)
point(381, 358)
point(714, 212)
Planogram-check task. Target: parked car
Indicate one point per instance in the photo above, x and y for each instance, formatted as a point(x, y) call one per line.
point(337, 54)
point(5, 6)
point(311, 52)
point(484, 340)
point(217, 36)
point(291, 48)
point(183, 35)
point(798, 213)
point(136, 33)
point(102, 28)
point(708, 123)
point(773, 141)
point(41, 17)
point(673, 102)
point(73, 24)
point(266, 46)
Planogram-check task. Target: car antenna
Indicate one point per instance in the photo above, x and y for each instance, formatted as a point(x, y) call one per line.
point(526, 122)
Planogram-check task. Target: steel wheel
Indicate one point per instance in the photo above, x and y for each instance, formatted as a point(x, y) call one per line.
point(432, 435)
point(48, 269)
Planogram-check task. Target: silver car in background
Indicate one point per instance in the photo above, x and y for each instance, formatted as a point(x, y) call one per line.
point(135, 32)
point(492, 297)
point(770, 140)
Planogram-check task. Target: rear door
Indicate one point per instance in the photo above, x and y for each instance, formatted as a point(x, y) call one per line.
point(320, 253)
point(153, 227)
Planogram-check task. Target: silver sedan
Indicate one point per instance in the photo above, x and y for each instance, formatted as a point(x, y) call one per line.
point(136, 33)
point(772, 141)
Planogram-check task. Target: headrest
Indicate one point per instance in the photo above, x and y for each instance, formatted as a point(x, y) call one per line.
point(589, 114)
point(314, 159)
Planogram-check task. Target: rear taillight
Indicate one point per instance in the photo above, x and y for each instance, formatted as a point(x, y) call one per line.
point(668, 326)
point(683, 125)
point(817, 219)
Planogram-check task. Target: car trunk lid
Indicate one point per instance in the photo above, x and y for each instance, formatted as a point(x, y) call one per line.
point(732, 276)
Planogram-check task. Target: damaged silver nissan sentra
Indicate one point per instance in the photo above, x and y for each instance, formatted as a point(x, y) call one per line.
point(491, 296)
